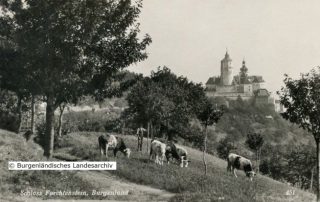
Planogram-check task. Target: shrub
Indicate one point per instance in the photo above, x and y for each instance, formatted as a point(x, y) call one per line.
point(8, 114)
point(224, 147)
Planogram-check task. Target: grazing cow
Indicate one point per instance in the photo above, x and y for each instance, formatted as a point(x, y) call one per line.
point(238, 162)
point(177, 152)
point(113, 142)
point(157, 151)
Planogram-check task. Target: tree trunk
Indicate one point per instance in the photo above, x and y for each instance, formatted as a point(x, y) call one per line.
point(19, 111)
point(33, 107)
point(204, 151)
point(318, 170)
point(258, 151)
point(151, 131)
point(311, 180)
point(61, 107)
point(148, 133)
point(49, 133)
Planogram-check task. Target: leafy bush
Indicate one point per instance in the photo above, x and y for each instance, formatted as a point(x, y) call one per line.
point(8, 115)
point(225, 145)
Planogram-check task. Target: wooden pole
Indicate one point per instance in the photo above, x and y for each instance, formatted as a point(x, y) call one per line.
point(148, 133)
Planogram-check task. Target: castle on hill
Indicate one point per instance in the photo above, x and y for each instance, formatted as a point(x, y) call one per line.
point(243, 85)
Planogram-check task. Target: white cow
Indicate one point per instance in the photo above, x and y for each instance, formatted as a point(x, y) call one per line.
point(238, 162)
point(157, 151)
point(113, 142)
point(183, 153)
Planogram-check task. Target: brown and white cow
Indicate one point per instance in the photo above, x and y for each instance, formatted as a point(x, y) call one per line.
point(177, 152)
point(236, 161)
point(157, 151)
point(114, 143)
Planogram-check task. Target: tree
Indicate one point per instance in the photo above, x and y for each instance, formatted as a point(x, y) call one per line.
point(8, 106)
point(255, 142)
point(224, 147)
point(11, 75)
point(301, 161)
point(301, 99)
point(165, 101)
point(208, 116)
point(67, 49)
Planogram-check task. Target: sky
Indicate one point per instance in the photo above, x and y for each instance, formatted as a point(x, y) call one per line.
point(191, 37)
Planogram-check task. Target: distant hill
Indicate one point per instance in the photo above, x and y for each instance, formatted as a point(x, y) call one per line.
point(243, 117)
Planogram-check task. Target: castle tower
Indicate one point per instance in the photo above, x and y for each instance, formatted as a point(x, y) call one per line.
point(243, 73)
point(226, 70)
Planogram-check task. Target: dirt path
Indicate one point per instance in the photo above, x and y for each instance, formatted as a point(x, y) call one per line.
point(137, 192)
point(106, 182)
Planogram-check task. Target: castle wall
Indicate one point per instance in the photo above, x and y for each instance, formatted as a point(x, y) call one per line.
point(264, 100)
point(247, 88)
point(226, 76)
point(226, 71)
point(211, 86)
point(231, 95)
point(225, 89)
point(257, 86)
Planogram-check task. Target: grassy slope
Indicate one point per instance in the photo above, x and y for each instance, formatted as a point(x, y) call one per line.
point(189, 183)
point(13, 147)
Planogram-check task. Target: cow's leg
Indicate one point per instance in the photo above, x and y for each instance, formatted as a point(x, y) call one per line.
point(156, 159)
point(181, 161)
point(150, 156)
point(115, 152)
point(162, 159)
point(167, 157)
point(107, 147)
point(186, 163)
point(234, 172)
point(229, 167)
point(101, 150)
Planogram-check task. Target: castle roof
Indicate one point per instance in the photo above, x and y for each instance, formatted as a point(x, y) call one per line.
point(262, 93)
point(248, 80)
point(257, 79)
point(244, 68)
point(213, 80)
point(226, 57)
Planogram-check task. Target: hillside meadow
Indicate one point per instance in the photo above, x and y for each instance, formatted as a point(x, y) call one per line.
point(13, 184)
point(188, 184)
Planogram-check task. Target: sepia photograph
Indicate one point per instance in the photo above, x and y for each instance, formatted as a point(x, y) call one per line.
point(159, 100)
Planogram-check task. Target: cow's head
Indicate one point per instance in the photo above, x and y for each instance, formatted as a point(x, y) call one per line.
point(127, 152)
point(250, 174)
